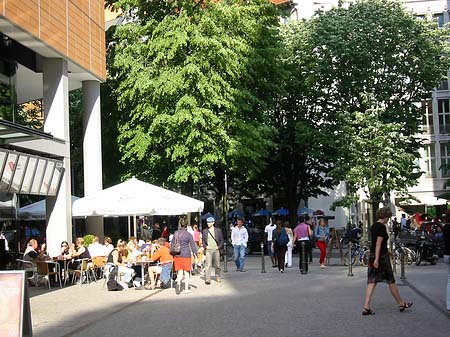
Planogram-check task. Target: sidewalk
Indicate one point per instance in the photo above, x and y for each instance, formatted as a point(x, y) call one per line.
point(323, 303)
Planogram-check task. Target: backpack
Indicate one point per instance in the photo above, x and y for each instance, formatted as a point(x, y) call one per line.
point(283, 238)
point(112, 284)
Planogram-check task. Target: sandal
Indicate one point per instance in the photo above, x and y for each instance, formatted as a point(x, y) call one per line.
point(367, 312)
point(405, 305)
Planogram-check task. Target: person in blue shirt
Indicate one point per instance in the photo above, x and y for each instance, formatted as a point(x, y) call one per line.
point(322, 234)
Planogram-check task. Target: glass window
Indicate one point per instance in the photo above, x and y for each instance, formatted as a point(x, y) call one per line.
point(443, 85)
point(439, 17)
point(444, 116)
point(429, 159)
point(427, 117)
point(445, 159)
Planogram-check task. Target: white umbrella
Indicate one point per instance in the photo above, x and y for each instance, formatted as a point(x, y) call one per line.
point(135, 197)
point(36, 210)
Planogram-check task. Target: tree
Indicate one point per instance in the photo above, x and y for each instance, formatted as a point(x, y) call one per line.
point(373, 63)
point(299, 165)
point(191, 78)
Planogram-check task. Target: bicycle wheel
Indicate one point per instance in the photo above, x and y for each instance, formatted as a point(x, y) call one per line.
point(346, 259)
point(365, 258)
point(230, 252)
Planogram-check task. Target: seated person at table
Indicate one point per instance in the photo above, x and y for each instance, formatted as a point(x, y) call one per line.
point(161, 254)
point(115, 258)
point(95, 248)
point(133, 255)
point(79, 252)
point(65, 250)
point(32, 253)
point(108, 246)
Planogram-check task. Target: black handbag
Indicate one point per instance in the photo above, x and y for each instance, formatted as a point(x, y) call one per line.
point(175, 248)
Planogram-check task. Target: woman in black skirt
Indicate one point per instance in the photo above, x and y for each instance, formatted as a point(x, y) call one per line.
point(380, 268)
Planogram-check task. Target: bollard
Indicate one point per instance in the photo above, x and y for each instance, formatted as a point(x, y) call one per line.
point(402, 265)
point(225, 257)
point(263, 263)
point(350, 259)
point(394, 265)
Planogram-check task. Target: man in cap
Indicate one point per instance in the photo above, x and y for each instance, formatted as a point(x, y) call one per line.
point(212, 239)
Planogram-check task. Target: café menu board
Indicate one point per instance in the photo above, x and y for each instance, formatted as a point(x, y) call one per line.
point(15, 317)
point(28, 174)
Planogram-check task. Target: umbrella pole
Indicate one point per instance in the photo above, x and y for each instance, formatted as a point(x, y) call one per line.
point(135, 226)
point(129, 226)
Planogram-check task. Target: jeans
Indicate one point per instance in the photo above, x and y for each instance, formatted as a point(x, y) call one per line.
point(166, 270)
point(239, 255)
point(212, 260)
point(280, 252)
point(447, 261)
point(303, 259)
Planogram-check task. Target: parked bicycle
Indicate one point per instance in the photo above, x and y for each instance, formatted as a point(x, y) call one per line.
point(358, 254)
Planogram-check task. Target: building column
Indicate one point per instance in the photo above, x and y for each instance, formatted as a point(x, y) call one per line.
point(56, 122)
point(92, 149)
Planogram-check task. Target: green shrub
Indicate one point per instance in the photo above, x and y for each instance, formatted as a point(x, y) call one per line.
point(88, 238)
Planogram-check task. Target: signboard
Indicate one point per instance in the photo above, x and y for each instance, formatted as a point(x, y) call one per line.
point(15, 315)
point(28, 174)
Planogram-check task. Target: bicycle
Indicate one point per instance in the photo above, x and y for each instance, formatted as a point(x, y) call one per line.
point(358, 253)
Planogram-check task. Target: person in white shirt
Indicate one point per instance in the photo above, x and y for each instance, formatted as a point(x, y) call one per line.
point(239, 239)
point(108, 246)
point(95, 248)
point(268, 236)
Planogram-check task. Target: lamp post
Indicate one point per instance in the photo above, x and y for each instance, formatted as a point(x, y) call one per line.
point(225, 220)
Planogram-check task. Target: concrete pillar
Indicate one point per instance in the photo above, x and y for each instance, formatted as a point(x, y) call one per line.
point(92, 149)
point(56, 122)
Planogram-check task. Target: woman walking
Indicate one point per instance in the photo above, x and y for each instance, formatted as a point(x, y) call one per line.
point(288, 257)
point(302, 233)
point(322, 234)
point(380, 268)
point(280, 240)
point(183, 261)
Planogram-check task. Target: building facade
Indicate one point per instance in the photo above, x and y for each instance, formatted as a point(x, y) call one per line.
point(47, 48)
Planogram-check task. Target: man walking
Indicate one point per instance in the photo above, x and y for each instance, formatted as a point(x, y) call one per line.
point(268, 230)
point(212, 239)
point(239, 238)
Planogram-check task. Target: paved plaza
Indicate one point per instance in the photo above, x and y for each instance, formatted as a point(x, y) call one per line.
point(323, 303)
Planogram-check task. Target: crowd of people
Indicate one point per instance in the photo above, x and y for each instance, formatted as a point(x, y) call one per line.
point(188, 249)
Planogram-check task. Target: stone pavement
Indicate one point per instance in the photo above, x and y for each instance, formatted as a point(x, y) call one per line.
point(323, 303)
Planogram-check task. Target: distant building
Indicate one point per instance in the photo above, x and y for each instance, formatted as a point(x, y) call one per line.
point(48, 48)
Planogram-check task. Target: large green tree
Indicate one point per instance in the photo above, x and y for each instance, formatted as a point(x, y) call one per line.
point(304, 154)
point(373, 63)
point(194, 79)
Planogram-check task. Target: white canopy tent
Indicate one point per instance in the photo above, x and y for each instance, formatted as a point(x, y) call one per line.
point(135, 197)
point(36, 210)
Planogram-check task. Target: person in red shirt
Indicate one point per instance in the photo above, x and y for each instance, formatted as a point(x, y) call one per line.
point(164, 267)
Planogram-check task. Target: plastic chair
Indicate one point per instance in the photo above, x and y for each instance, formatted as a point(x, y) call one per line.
point(43, 272)
point(84, 272)
point(99, 265)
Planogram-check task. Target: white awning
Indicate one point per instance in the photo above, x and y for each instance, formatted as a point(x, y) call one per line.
point(135, 197)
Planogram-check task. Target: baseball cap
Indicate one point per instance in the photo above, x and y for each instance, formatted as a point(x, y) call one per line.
point(210, 219)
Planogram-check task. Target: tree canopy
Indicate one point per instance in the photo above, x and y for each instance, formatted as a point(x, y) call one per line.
point(187, 78)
